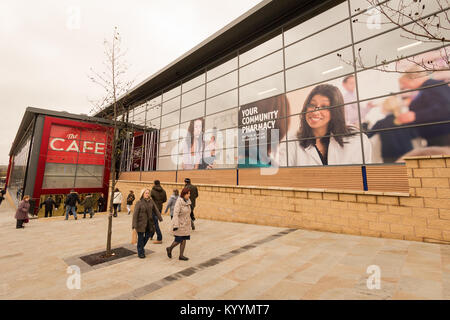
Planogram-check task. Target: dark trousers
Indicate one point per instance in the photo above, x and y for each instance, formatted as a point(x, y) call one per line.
point(48, 212)
point(19, 223)
point(115, 205)
point(142, 241)
point(157, 229)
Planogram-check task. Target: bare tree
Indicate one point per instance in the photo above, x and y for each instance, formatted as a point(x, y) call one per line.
point(114, 83)
point(418, 20)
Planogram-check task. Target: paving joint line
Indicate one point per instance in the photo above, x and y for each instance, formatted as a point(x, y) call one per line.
point(156, 285)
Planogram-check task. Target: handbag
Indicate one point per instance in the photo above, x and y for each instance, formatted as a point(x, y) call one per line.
point(133, 236)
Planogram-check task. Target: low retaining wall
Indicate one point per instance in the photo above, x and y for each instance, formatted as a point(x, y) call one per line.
point(423, 214)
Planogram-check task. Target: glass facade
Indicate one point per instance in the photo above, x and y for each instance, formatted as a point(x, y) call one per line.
point(292, 98)
point(19, 168)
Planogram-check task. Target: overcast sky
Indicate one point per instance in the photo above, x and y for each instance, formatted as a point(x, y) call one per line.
point(47, 52)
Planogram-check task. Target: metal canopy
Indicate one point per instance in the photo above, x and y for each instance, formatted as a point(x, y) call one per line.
point(261, 19)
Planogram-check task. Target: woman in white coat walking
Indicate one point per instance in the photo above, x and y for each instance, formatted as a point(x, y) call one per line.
point(181, 223)
point(324, 138)
point(117, 200)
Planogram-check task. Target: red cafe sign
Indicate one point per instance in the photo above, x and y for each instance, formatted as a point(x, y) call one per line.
point(76, 145)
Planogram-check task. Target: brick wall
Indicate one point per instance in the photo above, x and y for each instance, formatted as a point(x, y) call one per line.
point(423, 214)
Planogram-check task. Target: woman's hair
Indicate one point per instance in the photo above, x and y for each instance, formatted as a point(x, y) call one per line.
point(26, 196)
point(190, 135)
point(336, 126)
point(184, 192)
point(143, 191)
point(116, 190)
point(175, 192)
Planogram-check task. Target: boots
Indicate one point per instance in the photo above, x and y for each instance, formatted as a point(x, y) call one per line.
point(169, 249)
point(182, 246)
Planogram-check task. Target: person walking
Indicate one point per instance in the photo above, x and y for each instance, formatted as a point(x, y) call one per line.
point(88, 204)
point(101, 203)
point(181, 223)
point(143, 220)
point(194, 195)
point(2, 195)
point(71, 204)
point(159, 196)
point(117, 200)
point(49, 204)
point(22, 212)
point(171, 204)
point(130, 200)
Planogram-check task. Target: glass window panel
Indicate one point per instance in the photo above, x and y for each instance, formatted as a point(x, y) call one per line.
point(342, 90)
point(318, 70)
point(350, 116)
point(191, 84)
point(155, 101)
point(261, 89)
point(222, 84)
point(261, 50)
point(168, 148)
point(316, 23)
point(139, 118)
point(261, 68)
point(183, 130)
point(222, 158)
point(193, 96)
point(319, 44)
point(220, 139)
point(350, 153)
point(391, 46)
point(170, 119)
point(171, 93)
point(168, 134)
point(222, 102)
point(222, 69)
point(372, 21)
point(154, 123)
point(222, 120)
point(88, 182)
point(193, 112)
point(60, 169)
point(153, 112)
point(392, 78)
point(139, 109)
point(171, 105)
point(410, 109)
point(90, 170)
point(57, 182)
point(167, 163)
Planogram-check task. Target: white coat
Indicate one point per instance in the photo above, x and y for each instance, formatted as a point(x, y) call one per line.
point(350, 153)
point(117, 198)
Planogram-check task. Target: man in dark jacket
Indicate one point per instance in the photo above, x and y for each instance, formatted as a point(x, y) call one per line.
point(159, 196)
point(101, 203)
point(49, 204)
point(194, 194)
point(431, 104)
point(71, 204)
point(88, 204)
point(130, 200)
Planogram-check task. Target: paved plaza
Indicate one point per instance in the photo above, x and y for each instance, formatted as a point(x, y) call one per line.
point(227, 261)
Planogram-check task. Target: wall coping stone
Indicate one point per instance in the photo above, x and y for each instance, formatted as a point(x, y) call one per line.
point(428, 157)
point(357, 192)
